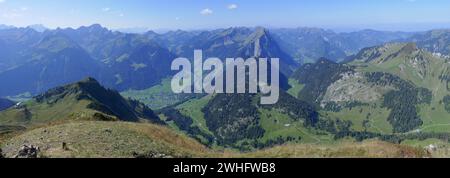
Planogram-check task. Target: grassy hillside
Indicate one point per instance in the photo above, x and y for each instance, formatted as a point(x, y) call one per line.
point(364, 118)
point(296, 87)
point(84, 100)
point(106, 139)
point(368, 149)
point(421, 68)
point(94, 139)
point(193, 109)
point(280, 125)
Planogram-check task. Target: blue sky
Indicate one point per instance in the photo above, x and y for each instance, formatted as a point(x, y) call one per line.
point(406, 15)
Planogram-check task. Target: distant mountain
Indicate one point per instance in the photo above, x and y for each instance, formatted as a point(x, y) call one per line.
point(353, 42)
point(226, 43)
point(310, 44)
point(126, 61)
point(56, 57)
point(14, 44)
point(130, 61)
point(92, 38)
point(435, 41)
point(54, 60)
point(2, 27)
point(84, 100)
point(38, 27)
point(136, 30)
point(5, 104)
point(173, 40)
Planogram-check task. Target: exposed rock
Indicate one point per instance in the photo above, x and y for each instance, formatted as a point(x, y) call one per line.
point(28, 152)
point(151, 155)
point(353, 87)
point(64, 146)
point(431, 148)
point(1, 154)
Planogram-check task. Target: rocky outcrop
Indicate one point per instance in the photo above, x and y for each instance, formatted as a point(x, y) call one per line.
point(28, 152)
point(151, 155)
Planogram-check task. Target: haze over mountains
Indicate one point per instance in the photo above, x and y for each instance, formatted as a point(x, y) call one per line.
point(34, 61)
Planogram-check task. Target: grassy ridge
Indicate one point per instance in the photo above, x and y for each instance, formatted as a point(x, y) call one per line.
point(423, 70)
point(105, 139)
point(368, 149)
point(42, 113)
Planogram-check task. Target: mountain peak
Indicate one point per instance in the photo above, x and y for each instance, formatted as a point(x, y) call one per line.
point(383, 53)
point(56, 41)
point(38, 27)
point(409, 48)
point(257, 34)
point(83, 87)
point(98, 99)
point(94, 28)
point(260, 31)
point(89, 80)
point(98, 26)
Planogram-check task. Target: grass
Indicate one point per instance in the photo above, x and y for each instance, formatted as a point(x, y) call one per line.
point(193, 109)
point(443, 148)
point(105, 139)
point(367, 149)
point(377, 119)
point(296, 87)
point(157, 97)
point(277, 124)
point(434, 115)
point(42, 113)
point(96, 139)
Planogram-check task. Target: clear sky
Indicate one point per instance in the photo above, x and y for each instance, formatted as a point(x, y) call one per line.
point(407, 15)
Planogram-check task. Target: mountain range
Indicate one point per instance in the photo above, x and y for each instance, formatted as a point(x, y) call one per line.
point(139, 61)
point(5, 104)
point(365, 85)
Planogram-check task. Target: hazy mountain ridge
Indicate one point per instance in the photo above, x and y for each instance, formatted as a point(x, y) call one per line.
point(310, 44)
point(435, 41)
point(53, 60)
point(5, 104)
point(116, 56)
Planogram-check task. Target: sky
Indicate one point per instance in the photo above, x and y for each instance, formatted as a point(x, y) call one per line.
point(403, 15)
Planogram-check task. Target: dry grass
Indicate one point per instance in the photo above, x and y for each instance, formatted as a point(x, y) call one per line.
point(121, 139)
point(105, 139)
point(367, 149)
